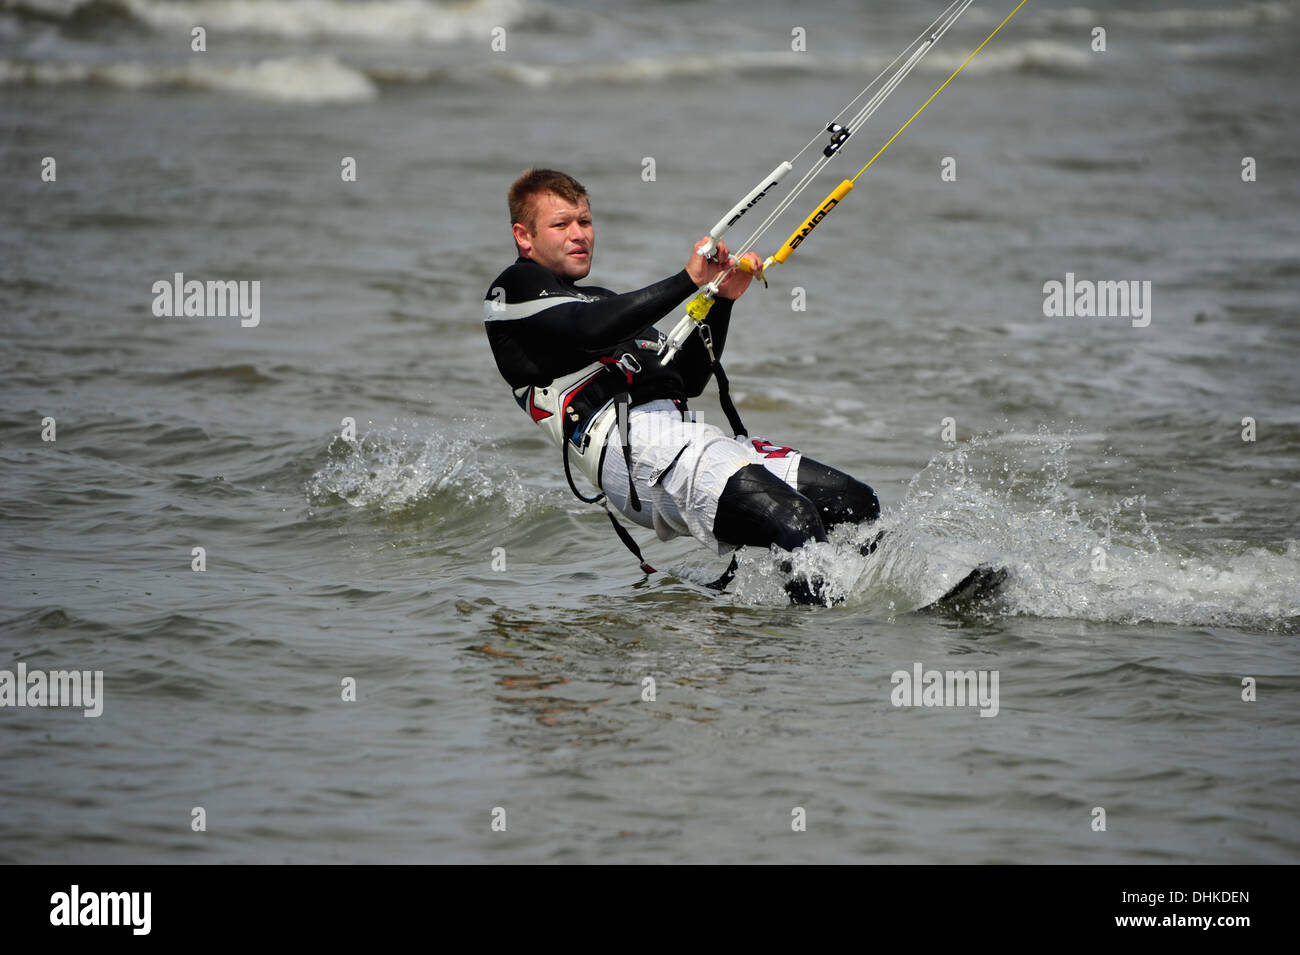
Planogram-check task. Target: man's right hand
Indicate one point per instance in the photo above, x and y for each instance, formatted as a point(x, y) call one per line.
point(701, 270)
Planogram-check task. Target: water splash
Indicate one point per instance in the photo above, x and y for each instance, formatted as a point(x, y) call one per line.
point(401, 467)
point(1072, 551)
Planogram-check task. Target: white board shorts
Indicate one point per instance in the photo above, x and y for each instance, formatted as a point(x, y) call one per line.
point(680, 468)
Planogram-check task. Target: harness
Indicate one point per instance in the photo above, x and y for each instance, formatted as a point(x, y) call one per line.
point(578, 411)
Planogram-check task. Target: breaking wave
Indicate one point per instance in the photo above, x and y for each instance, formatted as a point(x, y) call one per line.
point(324, 78)
point(319, 79)
point(1226, 17)
point(394, 21)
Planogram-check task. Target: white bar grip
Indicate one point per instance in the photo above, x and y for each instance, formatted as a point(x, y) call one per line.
point(740, 208)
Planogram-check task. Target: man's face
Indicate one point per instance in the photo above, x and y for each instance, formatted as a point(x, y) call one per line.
point(563, 239)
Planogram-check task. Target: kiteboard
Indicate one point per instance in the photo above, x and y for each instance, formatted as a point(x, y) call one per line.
point(972, 593)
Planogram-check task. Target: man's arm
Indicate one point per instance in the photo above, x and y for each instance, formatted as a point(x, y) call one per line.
point(540, 327)
point(602, 324)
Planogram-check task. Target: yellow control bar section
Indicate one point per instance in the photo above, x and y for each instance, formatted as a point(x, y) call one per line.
point(829, 203)
point(698, 307)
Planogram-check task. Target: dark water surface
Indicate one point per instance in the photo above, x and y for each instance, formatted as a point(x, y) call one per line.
point(1154, 553)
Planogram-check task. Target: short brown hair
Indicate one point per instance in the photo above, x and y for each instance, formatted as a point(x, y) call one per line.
point(535, 181)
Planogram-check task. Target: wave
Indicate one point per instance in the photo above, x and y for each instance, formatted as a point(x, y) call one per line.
point(424, 21)
point(396, 21)
point(244, 375)
point(1227, 17)
point(324, 78)
point(1031, 56)
point(1037, 57)
point(318, 79)
point(1008, 500)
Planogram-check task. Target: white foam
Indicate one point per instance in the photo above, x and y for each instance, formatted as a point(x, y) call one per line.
point(1228, 16)
point(399, 21)
point(1034, 56)
point(318, 79)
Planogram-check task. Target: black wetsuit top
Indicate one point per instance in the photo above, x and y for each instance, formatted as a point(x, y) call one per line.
point(535, 341)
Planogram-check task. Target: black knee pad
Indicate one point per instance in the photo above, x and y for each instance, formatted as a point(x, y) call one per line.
point(840, 498)
point(757, 508)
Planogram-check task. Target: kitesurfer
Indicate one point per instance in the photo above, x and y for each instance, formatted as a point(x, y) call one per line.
point(584, 363)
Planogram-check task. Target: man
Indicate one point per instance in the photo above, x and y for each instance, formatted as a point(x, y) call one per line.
point(585, 363)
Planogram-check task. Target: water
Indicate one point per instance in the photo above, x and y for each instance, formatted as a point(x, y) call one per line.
point(1154, 552)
